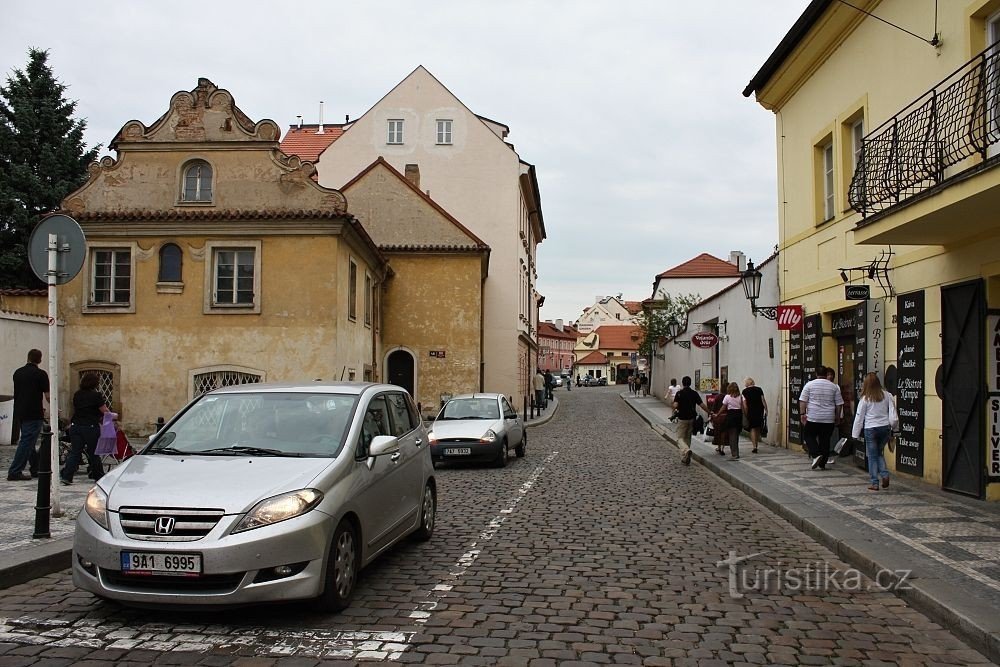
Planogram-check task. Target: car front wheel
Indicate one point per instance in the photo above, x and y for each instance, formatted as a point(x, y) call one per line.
point(341, 569)
point(520, 449)
point(501, 459)
point(428, 515)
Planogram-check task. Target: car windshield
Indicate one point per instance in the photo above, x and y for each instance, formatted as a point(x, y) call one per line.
point(260, 424)
point(471, 408)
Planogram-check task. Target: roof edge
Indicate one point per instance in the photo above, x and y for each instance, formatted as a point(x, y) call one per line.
point(792, 38)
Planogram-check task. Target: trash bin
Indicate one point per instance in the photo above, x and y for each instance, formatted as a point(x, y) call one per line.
point(6, 419)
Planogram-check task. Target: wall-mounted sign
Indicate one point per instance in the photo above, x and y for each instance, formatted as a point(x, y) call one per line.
point(993, 401)
point(910, 382)
point(437, 354)
point(795, 382)
point(790, 318)
point(993, 352)
point(705, 340)
point(857, 292)
point(993, 428)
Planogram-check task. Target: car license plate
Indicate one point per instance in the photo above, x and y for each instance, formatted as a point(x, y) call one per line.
point(185, 565)
point(458, 451)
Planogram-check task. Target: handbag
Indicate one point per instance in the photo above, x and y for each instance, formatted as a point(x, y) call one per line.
point(763, 428)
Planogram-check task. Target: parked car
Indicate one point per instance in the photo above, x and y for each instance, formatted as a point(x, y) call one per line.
point(477, 427)
point(260, 492)
point(602, 382)
point(558, 381)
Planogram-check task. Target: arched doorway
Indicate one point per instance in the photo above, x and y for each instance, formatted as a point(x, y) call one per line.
point(399, 370)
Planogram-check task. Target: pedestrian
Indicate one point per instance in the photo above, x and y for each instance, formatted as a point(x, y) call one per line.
point(578, 380)
point(631, 384)
point(539, 385)
point(550, 382)
point(569, 382)
point(89, 407)
point(877, 418)
point(31, 385)
point(644, 384)
point(686, 403)
point(732, 404)
point(717, 418)
point(821, 406)
point(755, 409)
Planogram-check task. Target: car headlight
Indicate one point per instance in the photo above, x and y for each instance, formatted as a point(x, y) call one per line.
point(278, 508)
point(96, 506)
point(489, 436)
point(431, 438)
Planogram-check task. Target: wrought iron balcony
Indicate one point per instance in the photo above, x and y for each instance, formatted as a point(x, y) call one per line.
point(914, 150)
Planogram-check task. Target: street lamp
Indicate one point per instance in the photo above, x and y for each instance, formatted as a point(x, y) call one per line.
point(751, 289)
point(674, 328)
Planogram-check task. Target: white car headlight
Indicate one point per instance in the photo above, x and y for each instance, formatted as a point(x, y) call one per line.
point(96, 506)
point(489, 436)
point(431, 438)
point(278, 508)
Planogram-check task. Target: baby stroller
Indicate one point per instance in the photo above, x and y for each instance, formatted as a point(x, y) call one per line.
point(121, 451)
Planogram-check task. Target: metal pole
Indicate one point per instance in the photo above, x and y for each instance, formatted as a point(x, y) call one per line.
point(44, 485)
point(52, 275)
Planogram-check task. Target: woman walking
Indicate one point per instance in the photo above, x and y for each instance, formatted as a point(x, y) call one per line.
point(755, 408)
point(877, 417)
point(733, 405)
point(89, 407)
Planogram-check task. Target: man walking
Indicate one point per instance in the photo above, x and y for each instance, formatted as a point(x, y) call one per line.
point(539, 384)
point(821, 406)
point(686, 403)
point(31, 384)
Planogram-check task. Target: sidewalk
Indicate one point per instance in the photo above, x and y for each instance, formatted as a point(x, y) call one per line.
point(23, 558)
point(951, 544)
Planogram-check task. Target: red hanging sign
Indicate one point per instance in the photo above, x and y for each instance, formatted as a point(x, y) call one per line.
point(790, 318)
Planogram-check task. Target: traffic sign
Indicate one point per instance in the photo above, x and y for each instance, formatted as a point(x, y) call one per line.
point(71, 246)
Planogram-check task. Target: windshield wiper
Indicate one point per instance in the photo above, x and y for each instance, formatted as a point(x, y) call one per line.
point(238, 449)
point(167, 450)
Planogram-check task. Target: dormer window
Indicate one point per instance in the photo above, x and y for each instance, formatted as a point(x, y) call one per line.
point(197, 182)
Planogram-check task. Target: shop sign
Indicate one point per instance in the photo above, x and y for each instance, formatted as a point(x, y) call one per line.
point(857, 292)
point(993, 401)
point(993, 345)
point(438, 354)
point(993, 429)
point(795, 383)
point(789, 318)
point(910, 340)
point(704, 340)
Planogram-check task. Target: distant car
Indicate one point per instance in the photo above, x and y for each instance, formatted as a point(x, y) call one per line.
point(589, 381)
point(477, 427)
point(260, 493)
point(559, 381)
point(602, 382)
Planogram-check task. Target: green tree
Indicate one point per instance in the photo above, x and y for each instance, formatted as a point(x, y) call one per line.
point(42, 159)
point(654, 319)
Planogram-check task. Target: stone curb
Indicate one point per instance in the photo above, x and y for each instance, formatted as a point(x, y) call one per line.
point(975, 623)
point(37, 561)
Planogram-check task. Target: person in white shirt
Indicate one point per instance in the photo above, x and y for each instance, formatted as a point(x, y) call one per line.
point(877, 418)
point(671, 392)
point(821, 406)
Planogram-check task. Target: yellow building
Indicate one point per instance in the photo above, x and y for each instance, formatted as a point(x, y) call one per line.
point(888, 142)
point(213, 258)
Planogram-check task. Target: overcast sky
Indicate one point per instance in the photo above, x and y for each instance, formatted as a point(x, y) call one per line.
point(647, 153)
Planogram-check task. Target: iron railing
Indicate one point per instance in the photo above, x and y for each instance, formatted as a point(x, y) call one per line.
point(909, 153)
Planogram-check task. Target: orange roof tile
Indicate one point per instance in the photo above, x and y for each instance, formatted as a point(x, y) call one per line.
point(702, 266)
point(594, 358)
point(549, 330)
point(619, 337)
point(633, 307)
point(306, 143)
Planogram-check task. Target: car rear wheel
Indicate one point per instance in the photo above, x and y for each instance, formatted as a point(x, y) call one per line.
point(501, 459)
point(520, 449)
point(341, 570)
point(428, 515)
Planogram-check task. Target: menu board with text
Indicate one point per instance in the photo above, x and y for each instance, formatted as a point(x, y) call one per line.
point(910, 339)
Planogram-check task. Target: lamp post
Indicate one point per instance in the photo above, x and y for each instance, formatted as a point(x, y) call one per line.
point(674, 328)
point(751, 289)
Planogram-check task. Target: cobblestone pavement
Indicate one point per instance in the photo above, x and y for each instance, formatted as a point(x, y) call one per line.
point(599, 547)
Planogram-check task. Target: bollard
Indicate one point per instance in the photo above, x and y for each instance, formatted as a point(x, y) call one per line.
point(42, 501)
point(159, 424)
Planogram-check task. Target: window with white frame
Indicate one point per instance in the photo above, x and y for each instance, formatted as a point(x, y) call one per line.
point(232, 277)
point(444, 131)
point(352, 291)
point(197, 182)
point(368, 299)
point(111, 277)
point(828, 204)
point(395, 132)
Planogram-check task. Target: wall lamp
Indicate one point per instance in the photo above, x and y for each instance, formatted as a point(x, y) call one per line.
point(751, 289)
point(673, 328)
point(877, 270)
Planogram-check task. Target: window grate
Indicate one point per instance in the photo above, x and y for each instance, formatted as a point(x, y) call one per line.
point(206, 382)
point(105, 384)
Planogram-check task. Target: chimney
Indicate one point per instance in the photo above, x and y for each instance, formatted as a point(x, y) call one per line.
point(320, 130)
point(347, 118)
point(559, 325)
point(412, 173)
point(738, 258)
point(300, 120)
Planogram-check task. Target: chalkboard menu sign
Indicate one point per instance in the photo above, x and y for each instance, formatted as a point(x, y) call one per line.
point(910, 386)
point(812, 328)
point(795, 382)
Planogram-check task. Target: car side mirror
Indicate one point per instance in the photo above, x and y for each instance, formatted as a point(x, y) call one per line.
point(382, 445)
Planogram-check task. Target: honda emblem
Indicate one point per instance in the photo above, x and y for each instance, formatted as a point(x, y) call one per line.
point(164, 525)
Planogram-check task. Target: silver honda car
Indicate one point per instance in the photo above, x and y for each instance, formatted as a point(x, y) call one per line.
point(260, 492)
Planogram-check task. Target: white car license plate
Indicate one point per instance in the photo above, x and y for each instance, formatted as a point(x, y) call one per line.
point(135, 562)
point(458, 451)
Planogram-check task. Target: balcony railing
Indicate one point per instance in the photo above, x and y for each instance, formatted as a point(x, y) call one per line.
point(910, 153)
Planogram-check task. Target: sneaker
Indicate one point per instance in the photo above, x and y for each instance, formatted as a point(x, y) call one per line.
point(816, 462)
point(65, 482)
point(23, 476)
point(831, 460)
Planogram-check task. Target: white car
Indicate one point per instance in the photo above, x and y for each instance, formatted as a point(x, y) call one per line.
point(477, 427)
point(259, 493)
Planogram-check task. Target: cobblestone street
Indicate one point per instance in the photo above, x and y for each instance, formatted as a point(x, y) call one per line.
point(598, 547)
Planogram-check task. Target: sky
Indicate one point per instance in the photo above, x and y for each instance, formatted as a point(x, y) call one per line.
point(646, 152)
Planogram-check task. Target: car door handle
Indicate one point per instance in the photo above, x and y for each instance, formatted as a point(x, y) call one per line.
point(418, 442)
point(395, 457)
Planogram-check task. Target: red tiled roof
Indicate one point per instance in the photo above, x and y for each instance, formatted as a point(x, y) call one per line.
point(211, 214)
point(619, 337)
point(702, 266)
point(594, 358)
point(306, 143)
point(549, 330)
point(633, 307)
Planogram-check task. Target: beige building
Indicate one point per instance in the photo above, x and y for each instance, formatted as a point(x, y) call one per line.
point(888, 147)
point(468, 168)
point(213, 258)
point(610, 311)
